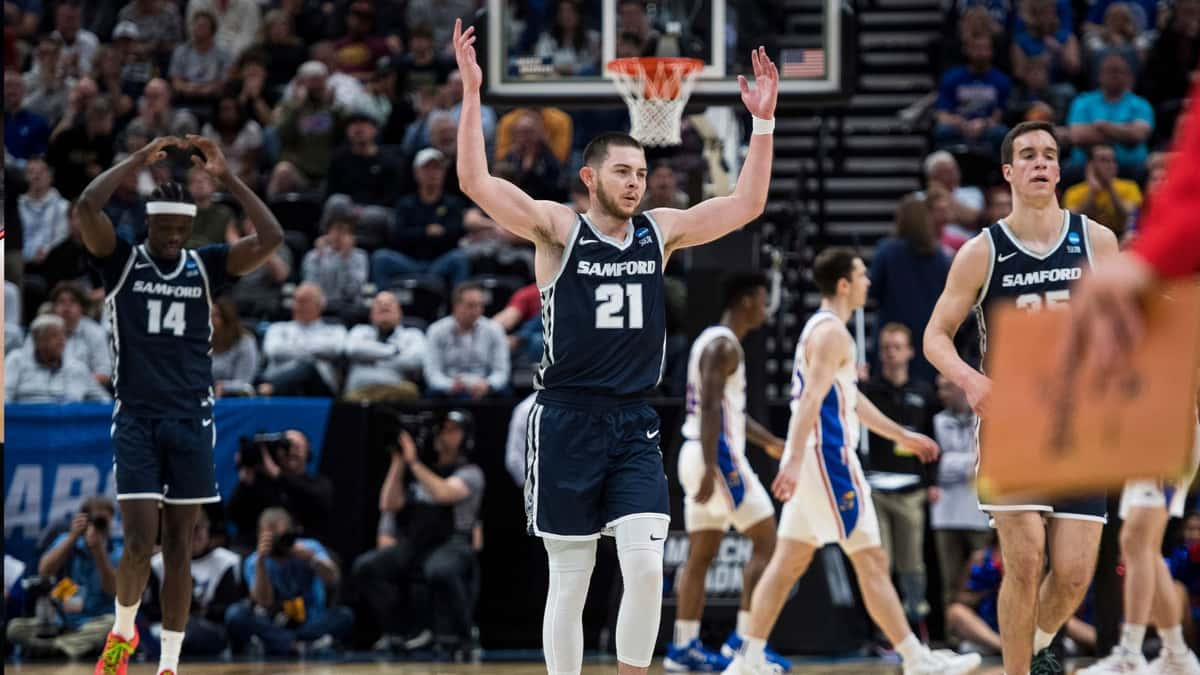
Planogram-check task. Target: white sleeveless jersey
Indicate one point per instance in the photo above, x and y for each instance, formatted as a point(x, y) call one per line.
point(733, 402)
point(837, 426)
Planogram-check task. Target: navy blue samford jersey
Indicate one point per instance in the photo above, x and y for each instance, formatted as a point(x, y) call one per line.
point(604, 318)
point(160, 328)
point(1020, 277)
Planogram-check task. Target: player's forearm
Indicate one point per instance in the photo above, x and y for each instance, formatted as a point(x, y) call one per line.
point(759, 435)
point(754, 181)
point(53, 559)
point(877, 422)
point(942, 355)
point(262, 592)
point(710, 430)
point(472, 152)
point(391, 497)
point(804, 418)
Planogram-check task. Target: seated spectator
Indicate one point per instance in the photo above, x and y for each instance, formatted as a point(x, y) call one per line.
point(14, 335)
point(662, 189)
point(429, 513)
point(44, 374)
point(1174, 57)
point(1144, 17)
point(199, 67)
point(308, 127)
point(1035, 98)
point(83, 93)
point(1112, 115)
point(83, 151)
point(1046, 31)
point(46, 85)
point(106, 72)
point(43, 214)
point(238, 22)
point(427, 229)
point(572, 47)
point(26, 133)
point(338, 267)
point(449, 99)
point(467, 355)
point(385, 357)
point(1103, 197)
point(633, 23)
point(285, 52)
point(216, 586)
point(138, 66)
point(1119, 34)
point(907, 274)
point(538, 170)
point(347, 91)
point(299, 352)
point(971, 101)
point(521, 319)
point(87, 556)
point(259, 294)
point(362, 181)
point(290, 579)
point(422, 66)
point(901, 484)
point(966, 201)
point(159, 26)
point(556, 124)
point(234, 351)
point(127, 209)
point(248, 86)
point(156, 117)
point(212, 220)
point(358, 51)
point(79, 45)
point(239, 137)
point(959, 527)
point(87, 341)
point(279, 480)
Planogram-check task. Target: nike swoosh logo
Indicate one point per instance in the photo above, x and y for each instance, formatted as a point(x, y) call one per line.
point(1005, 257)
point(206, 423)
point(654, 538)
point(144, 265)
point(653, 434)
point(583, 241)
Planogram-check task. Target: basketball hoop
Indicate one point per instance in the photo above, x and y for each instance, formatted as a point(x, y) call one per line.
point(656, 89)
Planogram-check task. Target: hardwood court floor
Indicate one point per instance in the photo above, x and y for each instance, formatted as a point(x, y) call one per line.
point(865, 667)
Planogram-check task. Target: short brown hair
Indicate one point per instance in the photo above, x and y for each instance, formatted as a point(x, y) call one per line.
point(1006, 148)
point(72, 289)
point(597, 151)
point(462, 289)
point(833, 265)
point(896, 327)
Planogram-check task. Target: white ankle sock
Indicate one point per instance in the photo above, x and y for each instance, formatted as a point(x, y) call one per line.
point(123, 626)
point(1041, 640)
point(1173, 639)
point(686, 631)
point(172, 641)
point(910, 648)
point(1132, 636)
point(743, 622)
point(752, 648)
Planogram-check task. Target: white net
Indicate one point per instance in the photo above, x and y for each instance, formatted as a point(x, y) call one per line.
point(656, 91)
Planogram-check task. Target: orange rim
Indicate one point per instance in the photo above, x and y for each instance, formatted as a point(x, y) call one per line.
point(635, 65)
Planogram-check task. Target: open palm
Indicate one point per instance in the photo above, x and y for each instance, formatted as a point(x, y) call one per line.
point(464, 54)
point(760, 101)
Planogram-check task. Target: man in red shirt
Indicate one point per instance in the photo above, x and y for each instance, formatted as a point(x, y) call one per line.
point(1107, 318)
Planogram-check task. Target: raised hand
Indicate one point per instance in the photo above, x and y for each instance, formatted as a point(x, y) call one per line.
point(156, 150)
point(213, 161)
point(761, 100)
point(464, 54)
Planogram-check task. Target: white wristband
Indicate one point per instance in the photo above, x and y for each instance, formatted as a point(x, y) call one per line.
point(762, 126)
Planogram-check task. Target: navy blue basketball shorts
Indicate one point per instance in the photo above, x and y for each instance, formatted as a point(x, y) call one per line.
point(168, 459)
point(590, 464)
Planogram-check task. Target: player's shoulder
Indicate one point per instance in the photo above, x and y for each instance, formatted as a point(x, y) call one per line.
point(1101, 237)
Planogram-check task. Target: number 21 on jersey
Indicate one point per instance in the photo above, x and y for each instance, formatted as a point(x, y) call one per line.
point(612, 310)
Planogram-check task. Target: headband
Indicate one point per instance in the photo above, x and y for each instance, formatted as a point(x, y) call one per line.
point(170, 209)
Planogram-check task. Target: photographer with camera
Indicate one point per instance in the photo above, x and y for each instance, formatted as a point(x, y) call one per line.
point(428, 531)
point(290, 578)
point(78, 579)
point(272, 471)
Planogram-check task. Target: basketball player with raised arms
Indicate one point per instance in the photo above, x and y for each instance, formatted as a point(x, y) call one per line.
point(721, 488)
point(593, 464)
point(159, 297)
point(1149, 590)
point(826, 496)
point(1029, 260)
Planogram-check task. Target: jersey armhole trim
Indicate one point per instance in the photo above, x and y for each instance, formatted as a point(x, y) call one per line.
point(1087, 240)
point(566, 254)
point(124, 275)
point(658, 234)
point(991, 268)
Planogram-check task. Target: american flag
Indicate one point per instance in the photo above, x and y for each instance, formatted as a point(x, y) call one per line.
point(803, 62)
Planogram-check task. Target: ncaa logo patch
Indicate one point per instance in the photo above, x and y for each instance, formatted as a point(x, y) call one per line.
point(642, 231)
point(1073, 238)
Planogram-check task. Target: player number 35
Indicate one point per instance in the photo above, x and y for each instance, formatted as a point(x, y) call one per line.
point(1034, 302)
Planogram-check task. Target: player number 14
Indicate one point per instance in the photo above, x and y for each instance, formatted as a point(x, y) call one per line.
point(172, 320)
point(612, 300)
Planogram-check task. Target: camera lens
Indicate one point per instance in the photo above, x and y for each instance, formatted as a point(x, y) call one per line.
point(100, 522)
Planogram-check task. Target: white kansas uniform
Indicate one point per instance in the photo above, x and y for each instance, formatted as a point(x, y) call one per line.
point(740, 499)
point(1158, 493)
point(831, 502)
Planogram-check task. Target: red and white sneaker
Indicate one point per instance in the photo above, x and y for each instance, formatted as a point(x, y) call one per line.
point(115, 657)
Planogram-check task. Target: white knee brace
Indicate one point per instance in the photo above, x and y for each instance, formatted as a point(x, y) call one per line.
point(571, 564)
point(640, 544)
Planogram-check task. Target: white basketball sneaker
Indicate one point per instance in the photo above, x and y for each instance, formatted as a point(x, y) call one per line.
point(1171, 663)
point(741, 665)
point(942, 663)
point(1120, 661)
